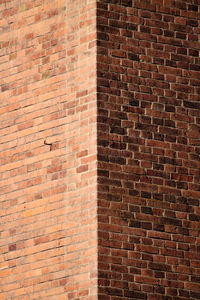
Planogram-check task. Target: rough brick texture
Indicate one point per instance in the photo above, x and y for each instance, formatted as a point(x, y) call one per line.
point(148, 149)
point(48, 150)
point(99, 149)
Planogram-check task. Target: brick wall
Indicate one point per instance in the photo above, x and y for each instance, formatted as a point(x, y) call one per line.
point(48, 150)
point(148, 149)
point(99, 149)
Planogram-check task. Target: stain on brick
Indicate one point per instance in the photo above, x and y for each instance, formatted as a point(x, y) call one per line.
point(4, 87)
point(12, 247)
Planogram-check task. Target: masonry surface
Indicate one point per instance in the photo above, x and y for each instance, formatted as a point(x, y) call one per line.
point(99, 149)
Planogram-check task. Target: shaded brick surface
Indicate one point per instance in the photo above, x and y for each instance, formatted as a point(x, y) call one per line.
point(148, 149)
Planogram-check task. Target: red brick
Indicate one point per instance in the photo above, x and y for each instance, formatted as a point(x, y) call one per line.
point(39, 114)
point(161, 156)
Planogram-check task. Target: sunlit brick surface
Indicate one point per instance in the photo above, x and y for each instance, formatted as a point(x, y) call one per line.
point(48, 150)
